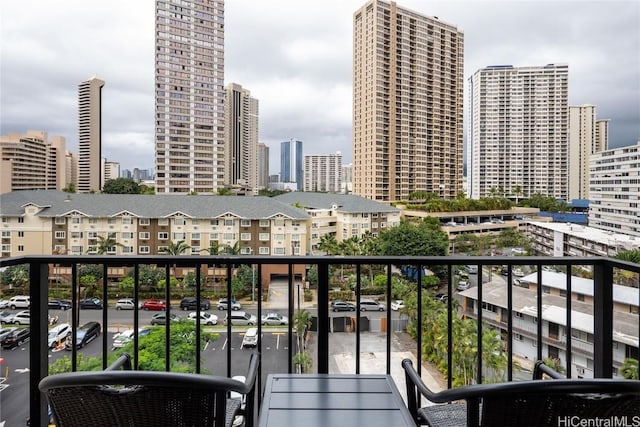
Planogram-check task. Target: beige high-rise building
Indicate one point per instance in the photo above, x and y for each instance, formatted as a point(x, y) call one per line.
point(90, 135)
point(32, 162)
point(517, 138)
point(586, 137)
point(263, 166)
point(241, 139)
point(189, 70)
point(408, 101)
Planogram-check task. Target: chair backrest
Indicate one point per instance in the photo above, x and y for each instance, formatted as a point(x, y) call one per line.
point(145, 398)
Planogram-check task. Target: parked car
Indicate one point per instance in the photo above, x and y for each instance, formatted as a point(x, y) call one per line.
point(85, 334)
point(58, 334)
point(20, 301)
point(342, 306)
point(190, 303)
point(126, 336)
point(274, 319)
point(154, 304)
point(91, 303)
point(205, 318)
point(161, 319)
point(5, 331)
point(222, 304)
point(250, 338)
point(397, 305)
point(58, 304)
point(471, 269)
point(371, 305)
point(22, 318)
point(518, 272)
point(463, 285)
point(441, 297)
point(127, 304)
point(241, 318)
point(4, 303)
point(16, 338)
point(6, 317)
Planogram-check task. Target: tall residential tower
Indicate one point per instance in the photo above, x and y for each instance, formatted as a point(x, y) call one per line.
point(189, 62)
point(518, 132)
point(241, 145)
point(90, 135)
point(408, 101)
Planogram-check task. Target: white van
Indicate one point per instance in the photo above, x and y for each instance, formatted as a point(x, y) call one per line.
point(370, 305)
point(20, 301)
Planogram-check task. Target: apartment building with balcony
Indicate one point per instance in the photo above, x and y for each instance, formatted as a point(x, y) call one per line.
point(323, 172)
point(46, 222)
point(614, 190)
point(554, 317)
point(567, 239)
point(32, 161)
point(90, 172)
point(241, 139)
point(586, 137)
point(342, 215)
point(518, 130)
point(189, 96)
point(408, 102)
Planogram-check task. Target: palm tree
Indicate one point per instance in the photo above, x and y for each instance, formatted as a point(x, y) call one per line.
point(301, 322)
point(625, 275)
point(105, 244)
point(213, 249)
point(175, 248)
point(517, 192)
point(328, 244)
point(231, 249)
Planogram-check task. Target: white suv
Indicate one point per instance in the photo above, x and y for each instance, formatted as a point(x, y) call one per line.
point(20, 301)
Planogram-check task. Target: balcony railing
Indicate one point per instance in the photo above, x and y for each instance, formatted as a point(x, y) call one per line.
point(43, 269)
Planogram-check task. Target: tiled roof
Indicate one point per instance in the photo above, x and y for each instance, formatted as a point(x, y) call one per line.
point(58, 203)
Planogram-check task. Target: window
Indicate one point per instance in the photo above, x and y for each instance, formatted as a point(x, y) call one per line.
point(145, 221)
point(263, 250)
point(580, 297)
point(263, 236)
point(195, 222)
point(365, 226)
point(179, 221)
point(245, 236)
point(296, 250)
point(60, 235)
point(383, 224)
point(229, 236)
point(58, 220)
point(518, 314)
point(213, 236)
point(127, 220)
point(563, 292)
point(179, 236)
point(93, 220)
point(245, 251)
point(127, 249)
point(144, 235)
point(161, 249)
point(76, 249)
point(581, 335)
point(163, 222)
point(278, 251)
point(92, 249)
point(213, 222)
point(295, 237)
point(517, 337)
point(245, 223)
point(76, 235)
point(163, 236)
point(264, 223)
point(20, 248)
point(278, 237)
point(195, 236)
point(546, 290)
point(127, 235)
point(228, 222)
point(374, 225)
point(144, 249)
point(295, 223)
point(20, 220)
point(195, 250)
point(21, 233)
point(111, 220)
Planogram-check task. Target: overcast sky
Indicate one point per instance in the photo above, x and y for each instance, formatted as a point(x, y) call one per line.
point(295, 57)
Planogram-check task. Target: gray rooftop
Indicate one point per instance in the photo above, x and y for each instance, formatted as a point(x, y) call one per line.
point(58, 203)
point(345, 202)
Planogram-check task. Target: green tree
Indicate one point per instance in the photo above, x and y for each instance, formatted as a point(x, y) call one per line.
point(70, 188)
point(517, 192)
point(121, 186)
point(302, 361)
point(146, 189)
point(625, 276)
point(126, 284)
point(15, 275)
point(106, 244)
point(231, 249)
point(629, 369)
point(175, 248)
point(213, 249)
point(148, 276)
point(225, 191)
point(328, 244)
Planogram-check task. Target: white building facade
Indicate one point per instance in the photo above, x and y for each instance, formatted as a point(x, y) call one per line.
point(518, 131)
point(323, 172)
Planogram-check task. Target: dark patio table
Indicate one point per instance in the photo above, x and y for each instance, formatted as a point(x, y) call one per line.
point(320, 400)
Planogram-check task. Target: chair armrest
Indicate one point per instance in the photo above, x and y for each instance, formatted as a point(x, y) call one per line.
point(542, 368)
point(123, 362)
point(251, 405)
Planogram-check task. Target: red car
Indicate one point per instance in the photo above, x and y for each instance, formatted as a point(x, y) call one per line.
point(154, 304)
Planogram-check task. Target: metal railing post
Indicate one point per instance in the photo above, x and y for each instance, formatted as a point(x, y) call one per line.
point(602, 321)
point(323, 318)
point(38, 365)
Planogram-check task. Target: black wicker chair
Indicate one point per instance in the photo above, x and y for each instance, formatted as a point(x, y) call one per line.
point(524, 403)
point(143, 398)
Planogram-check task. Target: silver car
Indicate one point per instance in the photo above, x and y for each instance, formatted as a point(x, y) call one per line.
point(242, 318)
point(274, 319)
